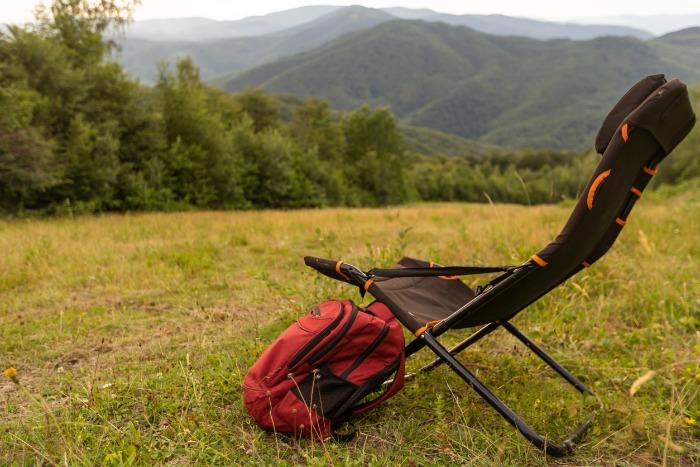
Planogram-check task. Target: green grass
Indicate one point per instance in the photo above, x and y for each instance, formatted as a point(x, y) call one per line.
point(131, 335)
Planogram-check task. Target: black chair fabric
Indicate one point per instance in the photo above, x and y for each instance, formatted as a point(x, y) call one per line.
point(424, 299)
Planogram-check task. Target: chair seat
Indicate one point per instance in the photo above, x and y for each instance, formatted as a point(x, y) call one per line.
point(424, 299)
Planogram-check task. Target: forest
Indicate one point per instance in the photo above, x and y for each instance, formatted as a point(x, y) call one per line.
point(79, 135)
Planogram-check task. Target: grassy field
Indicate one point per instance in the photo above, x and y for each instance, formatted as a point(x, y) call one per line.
point(131, 335)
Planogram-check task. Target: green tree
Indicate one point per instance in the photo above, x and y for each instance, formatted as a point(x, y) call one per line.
point(261, 107)
point(26, 155)
point(320, 137)
point(203, 158)
point(373, 156)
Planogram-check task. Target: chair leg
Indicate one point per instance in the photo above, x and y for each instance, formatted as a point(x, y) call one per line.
point(557, 450)
point(413, 347)
point(556, 366)
point(468, 342)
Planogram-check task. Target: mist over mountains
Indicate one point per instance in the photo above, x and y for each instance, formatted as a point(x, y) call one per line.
point(230, 56)
point(202, 29)
point(198, 29)
point(657, 24)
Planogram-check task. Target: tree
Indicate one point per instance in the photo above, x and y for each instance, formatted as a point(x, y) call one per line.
point(373, 155)
point(80, 25)
point(322, 142)
point(202, 158)
point(261, 107)
point(26, 155)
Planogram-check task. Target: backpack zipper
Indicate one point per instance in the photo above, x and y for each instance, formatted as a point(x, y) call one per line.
point(326, 348)
point(316, 339)
point(375, 343)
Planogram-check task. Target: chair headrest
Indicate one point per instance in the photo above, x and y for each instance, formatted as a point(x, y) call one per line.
point(662, 108)
point(666, 114)
point(629, 102)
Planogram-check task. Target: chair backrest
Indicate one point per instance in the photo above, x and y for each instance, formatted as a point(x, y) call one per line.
point(640, 131)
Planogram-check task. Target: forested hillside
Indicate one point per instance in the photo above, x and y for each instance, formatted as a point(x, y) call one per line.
point(77, 134)
point(498, 90)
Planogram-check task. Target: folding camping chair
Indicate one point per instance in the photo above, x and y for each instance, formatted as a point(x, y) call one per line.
point(640, 131)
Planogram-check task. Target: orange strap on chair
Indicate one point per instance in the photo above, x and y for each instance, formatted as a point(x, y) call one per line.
point(650, 171)
point(625, 132)
point(539, 261)
point(594, 186)
point(428, 325)
point(340, 273)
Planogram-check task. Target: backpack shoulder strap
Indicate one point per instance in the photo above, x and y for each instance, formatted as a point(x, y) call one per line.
point(393, 388)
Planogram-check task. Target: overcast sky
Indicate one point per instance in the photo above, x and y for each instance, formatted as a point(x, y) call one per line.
point(20, 10)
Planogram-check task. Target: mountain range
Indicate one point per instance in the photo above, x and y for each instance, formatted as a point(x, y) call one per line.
point(499, 90)
point(140, 57)
point(198, 29)
point(229, 47)
point(655, 24)
point(203, 29)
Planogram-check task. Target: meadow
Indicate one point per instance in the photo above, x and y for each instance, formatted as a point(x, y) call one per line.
point(131, 335)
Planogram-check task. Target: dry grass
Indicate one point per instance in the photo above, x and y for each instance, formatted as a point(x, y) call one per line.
point(131, 335)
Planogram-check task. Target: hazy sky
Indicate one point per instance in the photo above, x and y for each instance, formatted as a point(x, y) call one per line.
point(20, 10)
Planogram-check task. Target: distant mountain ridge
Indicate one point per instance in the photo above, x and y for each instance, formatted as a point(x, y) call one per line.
point(229, 47)
point(204, 29)
point(656, 24)
point(497, 90)
point(230, 56)
point(502, 25)
point(685, 37)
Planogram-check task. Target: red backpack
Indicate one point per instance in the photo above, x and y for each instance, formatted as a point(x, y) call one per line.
point(314, 375)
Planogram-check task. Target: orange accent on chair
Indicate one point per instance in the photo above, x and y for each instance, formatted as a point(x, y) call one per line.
point(594, 186)
point(650, 171)
point(337, 269)
point(636, 191)
point(428, 325)
point(539, 260)
point(368, 284)
point(625, 132)
point(621, 222)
